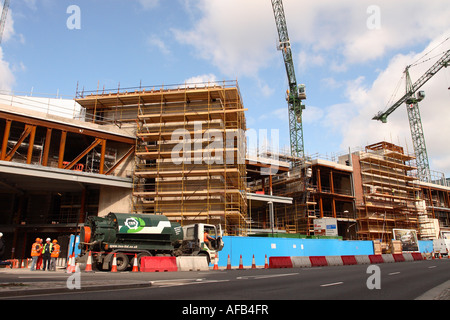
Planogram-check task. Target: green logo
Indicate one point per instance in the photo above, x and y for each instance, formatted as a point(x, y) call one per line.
point(133, 225)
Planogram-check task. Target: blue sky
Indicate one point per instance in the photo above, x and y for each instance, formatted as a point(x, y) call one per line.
point(349, 65)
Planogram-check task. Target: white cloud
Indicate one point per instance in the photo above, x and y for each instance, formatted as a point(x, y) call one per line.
point(307, 59)
point(264, 88)
point(352, 119)
point(6, 76)
point(201, 79)
point(313, 115)
point(239, 37)
point(280, 114)
point(149, 4)
point(155, 41)
point(340, 27)
point(233, 35)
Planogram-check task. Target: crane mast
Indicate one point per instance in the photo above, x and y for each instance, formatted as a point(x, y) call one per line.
point(412, 98)
point(296, 93)
point(3, 18)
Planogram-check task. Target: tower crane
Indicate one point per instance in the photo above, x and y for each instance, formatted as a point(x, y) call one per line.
point(296, 93)
point(412, 98)
point(3, 18)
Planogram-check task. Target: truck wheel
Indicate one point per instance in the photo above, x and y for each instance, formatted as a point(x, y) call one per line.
point(122, 261)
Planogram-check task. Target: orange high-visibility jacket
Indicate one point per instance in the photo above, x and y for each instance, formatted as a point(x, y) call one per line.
point(56, 250)
point(36, 249)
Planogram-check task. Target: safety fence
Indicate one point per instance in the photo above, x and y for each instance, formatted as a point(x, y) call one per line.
point(199, 263)
point(322, 261)
point(26, 263)
point(146, 263)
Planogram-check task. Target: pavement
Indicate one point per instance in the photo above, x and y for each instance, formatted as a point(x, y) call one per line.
point(59, 281)
point(441, 292)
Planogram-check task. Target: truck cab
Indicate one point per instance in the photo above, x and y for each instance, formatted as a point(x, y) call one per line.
point(441, 247)
point(203, 239)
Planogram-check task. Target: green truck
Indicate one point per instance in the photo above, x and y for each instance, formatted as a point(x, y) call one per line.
point(130, 235)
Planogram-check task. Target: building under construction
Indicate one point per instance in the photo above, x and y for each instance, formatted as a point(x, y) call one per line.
point(370, 192)
point(190, 149)
point(181, 151)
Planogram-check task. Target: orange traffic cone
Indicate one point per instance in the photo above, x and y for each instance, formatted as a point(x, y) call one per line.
point(114, 264)
point(253, 262)
point(135, 264)
point(71, 264)
point(266, 265)
point(216, 260)
point(229, 263)
point(241, 265)
point(89, 263)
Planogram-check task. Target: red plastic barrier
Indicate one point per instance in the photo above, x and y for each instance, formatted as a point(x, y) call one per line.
point(158, 264)
point(376, 258)
point(318, 261)
point(398, 257)
point(280, 262)
point(417, 256)
point(349, 260)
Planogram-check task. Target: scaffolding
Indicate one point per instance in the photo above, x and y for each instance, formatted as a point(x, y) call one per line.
point(289, 182)
point(298, 216)
point(190, 150)
point(390, 195)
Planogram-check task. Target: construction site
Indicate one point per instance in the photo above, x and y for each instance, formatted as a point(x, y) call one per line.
point(123, 158)
point(181, 151)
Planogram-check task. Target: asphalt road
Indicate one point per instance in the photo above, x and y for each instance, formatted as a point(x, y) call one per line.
point(389, 281)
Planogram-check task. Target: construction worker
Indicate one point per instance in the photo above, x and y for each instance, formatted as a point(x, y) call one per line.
point(54, 255)
point(36, 249)
point(47, 254)
point(39, 260)
point(207, 238)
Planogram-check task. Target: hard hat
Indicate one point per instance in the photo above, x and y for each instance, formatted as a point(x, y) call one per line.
point(48, 239)
point(37, 239)
point(1, 234)
point(55, 241)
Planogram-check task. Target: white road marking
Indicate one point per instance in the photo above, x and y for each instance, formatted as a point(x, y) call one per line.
point(393, 273)
point(266, 276)
point(181, 282)
point(331, 284)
